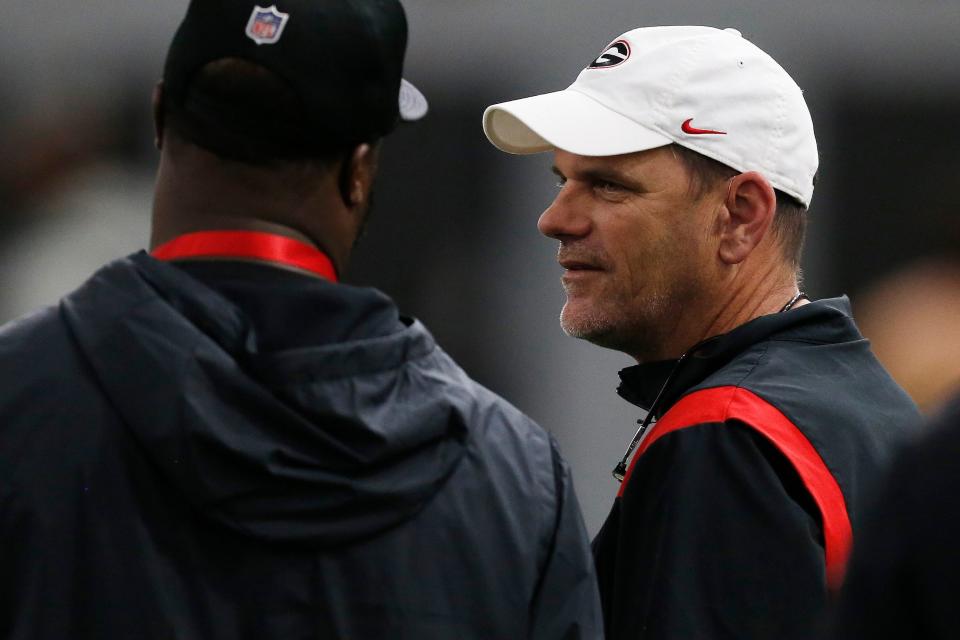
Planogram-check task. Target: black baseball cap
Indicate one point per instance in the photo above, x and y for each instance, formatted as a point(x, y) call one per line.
point(343, 58)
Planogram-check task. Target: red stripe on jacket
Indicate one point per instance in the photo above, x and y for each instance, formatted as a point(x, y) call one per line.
point(734, 403)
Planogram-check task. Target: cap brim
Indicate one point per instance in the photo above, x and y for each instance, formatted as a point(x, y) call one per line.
point(566, 120)
point(413, 104)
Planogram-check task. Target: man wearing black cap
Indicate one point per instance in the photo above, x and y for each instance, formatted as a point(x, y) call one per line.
point(218, 441)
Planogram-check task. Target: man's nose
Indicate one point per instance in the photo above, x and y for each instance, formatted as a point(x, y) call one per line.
point(563, 219)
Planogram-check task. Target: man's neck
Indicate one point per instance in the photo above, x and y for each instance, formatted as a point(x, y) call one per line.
point(743, 299)
point(762, 298)
point(191, 195)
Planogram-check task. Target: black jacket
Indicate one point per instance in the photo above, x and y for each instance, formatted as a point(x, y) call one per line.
point(233, 451)
point(742, 500)
point(905, 571)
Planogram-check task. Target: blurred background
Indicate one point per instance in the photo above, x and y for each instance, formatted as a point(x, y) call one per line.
point(454, 237)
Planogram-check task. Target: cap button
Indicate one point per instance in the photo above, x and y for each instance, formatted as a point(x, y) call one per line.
point(734, 32)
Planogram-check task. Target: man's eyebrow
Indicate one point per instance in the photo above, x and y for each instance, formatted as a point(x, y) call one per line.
point(602, 174)
point(598, 174)
point(593, 173)
point(605, 174)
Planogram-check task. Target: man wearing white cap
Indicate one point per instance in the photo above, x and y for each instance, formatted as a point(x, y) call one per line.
point(686, 158)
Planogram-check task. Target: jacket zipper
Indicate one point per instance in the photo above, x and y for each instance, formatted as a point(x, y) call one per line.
point(621, 469)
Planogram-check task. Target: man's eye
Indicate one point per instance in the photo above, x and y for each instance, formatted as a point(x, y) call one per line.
point(608, 187)
point(561, 181)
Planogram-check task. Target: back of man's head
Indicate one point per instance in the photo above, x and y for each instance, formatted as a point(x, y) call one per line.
point(263, 86)
point(239, 97)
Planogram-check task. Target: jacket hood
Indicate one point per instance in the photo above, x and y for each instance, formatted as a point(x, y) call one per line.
point(320, 445)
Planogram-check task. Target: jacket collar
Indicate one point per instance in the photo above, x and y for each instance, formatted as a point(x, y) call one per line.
point(823, 321)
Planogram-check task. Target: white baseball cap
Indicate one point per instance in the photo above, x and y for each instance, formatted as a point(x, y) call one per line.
point(707, 89)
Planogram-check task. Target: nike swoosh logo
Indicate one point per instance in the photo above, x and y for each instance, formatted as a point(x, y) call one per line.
point(694, 131)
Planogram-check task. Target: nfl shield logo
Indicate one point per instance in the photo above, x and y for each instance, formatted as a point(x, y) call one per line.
point(266, 25)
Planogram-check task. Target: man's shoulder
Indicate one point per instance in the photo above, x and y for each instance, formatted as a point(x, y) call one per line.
point(48, 394)
point(834, 400)
point(511, 444)
point(501, 427)
point(33, 346)
point(812, 381)
point(837, 395)
point(41, 368)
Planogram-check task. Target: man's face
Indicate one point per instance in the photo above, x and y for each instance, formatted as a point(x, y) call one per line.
point(636, 247)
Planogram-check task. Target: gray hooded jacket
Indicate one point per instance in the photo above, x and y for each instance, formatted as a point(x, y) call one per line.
point(233, 451)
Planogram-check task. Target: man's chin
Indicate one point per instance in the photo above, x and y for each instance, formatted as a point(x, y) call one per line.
point(586, 326)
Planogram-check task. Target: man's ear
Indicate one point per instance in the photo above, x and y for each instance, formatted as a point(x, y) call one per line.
point(750, 205)
point(358, 174)
point(158, 122)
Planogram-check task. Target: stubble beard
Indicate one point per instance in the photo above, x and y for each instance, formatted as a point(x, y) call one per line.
point(638, 328)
